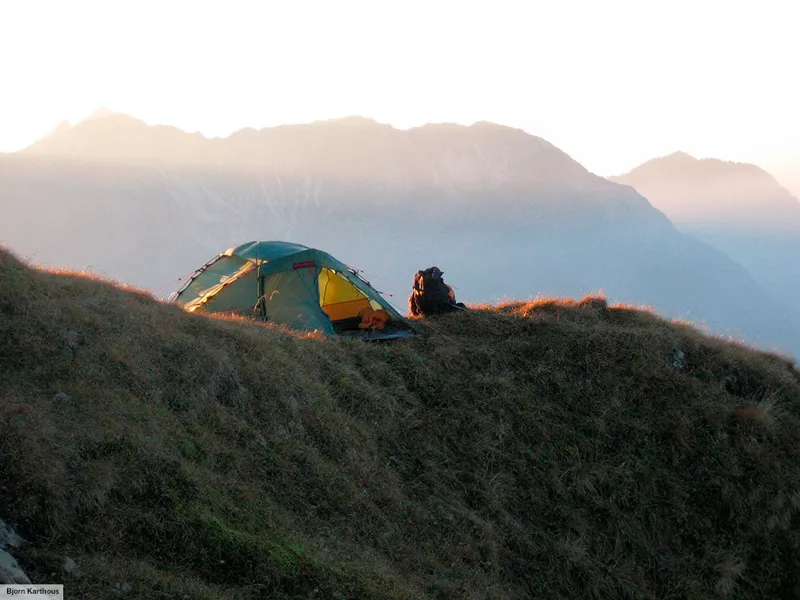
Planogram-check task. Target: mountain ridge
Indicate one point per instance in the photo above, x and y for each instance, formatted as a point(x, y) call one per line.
point(347, 120)
point(457, 158)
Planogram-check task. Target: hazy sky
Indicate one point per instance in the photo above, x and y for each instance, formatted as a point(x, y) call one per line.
point(612, 82)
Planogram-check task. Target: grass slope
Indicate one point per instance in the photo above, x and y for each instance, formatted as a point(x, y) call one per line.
point(547, 449)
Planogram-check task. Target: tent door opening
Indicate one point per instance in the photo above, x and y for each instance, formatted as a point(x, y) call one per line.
point(341, 300)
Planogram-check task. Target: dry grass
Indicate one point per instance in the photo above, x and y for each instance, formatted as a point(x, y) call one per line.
point(545, 449)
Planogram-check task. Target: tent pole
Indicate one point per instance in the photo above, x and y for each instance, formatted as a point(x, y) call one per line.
point(262, 305)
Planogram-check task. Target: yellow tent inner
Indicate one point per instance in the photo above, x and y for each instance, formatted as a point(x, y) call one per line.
point(339, 298)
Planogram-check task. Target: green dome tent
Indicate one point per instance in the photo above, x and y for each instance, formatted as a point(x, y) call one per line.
point(289, 284)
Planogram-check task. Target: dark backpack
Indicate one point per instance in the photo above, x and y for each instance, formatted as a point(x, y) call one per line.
point(431, 295)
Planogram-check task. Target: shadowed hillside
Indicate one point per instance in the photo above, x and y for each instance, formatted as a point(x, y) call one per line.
point(549, 449)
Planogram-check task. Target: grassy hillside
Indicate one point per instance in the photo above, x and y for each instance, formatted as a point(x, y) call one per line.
point(548, 449)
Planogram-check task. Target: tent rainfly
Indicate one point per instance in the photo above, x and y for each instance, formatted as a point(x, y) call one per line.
point(288, 284)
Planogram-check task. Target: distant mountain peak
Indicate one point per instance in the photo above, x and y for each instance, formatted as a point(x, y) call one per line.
point(709, 190)
point(65, 125)
point(684, 163)
point(351, 121)
point(102, 113)
point(481, 154)
point(681, 155)
point(495, 126)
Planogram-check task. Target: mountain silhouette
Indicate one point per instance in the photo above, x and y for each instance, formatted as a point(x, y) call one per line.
point(736, 207)
point(504, 213)
point(715, 192)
